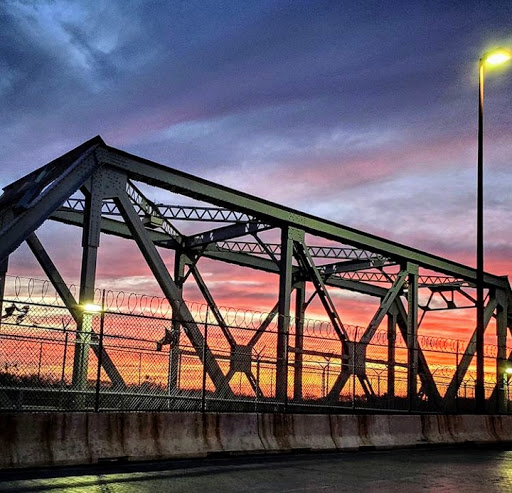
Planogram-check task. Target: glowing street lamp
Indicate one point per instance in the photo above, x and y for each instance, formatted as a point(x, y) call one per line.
point(491, 59)
point(496, 57)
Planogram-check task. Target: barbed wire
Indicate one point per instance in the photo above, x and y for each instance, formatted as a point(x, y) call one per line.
point(37, 291)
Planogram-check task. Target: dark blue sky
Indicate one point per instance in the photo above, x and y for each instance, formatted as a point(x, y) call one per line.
point(362, 112)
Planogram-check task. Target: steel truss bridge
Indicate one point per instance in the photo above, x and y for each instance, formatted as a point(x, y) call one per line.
point(104, 190)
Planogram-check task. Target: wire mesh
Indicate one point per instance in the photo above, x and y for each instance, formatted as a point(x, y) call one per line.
point(168, 359)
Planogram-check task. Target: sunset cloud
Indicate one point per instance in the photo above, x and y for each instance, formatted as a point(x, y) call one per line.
point(362, 114)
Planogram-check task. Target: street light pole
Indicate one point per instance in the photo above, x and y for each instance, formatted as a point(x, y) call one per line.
point(495, 57)
point(480, 389)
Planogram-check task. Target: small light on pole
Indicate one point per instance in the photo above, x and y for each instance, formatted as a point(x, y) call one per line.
point(91, 308)
point(491, 58)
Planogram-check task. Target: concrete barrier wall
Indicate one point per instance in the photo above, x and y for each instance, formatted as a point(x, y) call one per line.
point(41, 439)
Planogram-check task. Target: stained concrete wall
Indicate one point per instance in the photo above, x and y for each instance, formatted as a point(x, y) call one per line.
point(41, 439)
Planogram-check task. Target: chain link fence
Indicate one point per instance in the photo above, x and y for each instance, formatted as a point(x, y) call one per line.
point(153, 360)
point(112, 361)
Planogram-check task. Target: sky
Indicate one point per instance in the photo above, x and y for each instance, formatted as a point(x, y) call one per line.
point(364, 113)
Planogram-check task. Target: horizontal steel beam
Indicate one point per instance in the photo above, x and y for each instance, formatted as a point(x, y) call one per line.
point(117, 228)
point(174, 212)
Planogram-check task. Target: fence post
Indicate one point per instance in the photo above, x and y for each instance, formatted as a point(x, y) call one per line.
point(287, 362)
point(40, 360)
point(64, 356)
point(3, 272)
point(100, 353)
point(354, 370)
point(140, 367)
point(63, 372)
point(257, 393)
point(178, 382)
point(508, 392)
point(205, 341)
point(457, 376)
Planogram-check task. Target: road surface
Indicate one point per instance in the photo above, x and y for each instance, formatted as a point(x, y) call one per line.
point(466, 470)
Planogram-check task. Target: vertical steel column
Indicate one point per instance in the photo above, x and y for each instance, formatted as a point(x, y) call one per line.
point(179, 274)
point(300, 298)
point(501, 360)
point(392, 317)
point(412, 336)
point(283, 321)
point(90, 244)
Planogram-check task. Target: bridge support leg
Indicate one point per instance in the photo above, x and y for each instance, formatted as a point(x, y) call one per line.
point(412, 336)
point(391, 336)
point(501, 360)
point(300, 297)
point(174, 357)
point(283, 322)
point(90, 244)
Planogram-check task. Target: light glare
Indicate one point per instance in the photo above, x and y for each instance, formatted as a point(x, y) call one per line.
point(92, 308)
point(498, 57)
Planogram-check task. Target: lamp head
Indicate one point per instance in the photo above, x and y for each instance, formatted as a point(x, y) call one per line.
point(497, 57)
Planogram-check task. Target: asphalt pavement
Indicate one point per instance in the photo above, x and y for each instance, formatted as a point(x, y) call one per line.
point(467, 469)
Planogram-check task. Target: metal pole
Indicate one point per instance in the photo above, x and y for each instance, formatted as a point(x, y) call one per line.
point(63, 373)
point(457, 377)
point(100, 353)
point(178, 383)
point(412, 337)
point(174, 357)
point(203, 394)
point(283, 321)
point(257, 393)
point(287, 356)
point(354, 370)
point(300, 293)
point(479, 388)
point(140, 365)
point(40, 360)
point(3, 272)
point(508, 392)
point(328, 368)
point(323, 381)
point(392, 316)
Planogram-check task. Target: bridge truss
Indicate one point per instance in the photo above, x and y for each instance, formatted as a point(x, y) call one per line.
point(103, 190)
